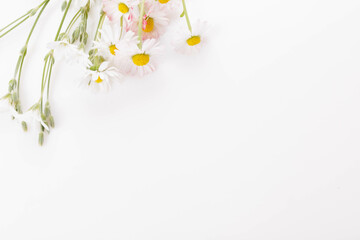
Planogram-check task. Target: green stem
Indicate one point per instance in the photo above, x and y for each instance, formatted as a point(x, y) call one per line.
point(49, 77)
point(99, 27)
point(36, 21)
point(73, 21)
point(49, 65)
point(140, 30)
point(15, 21)
point(62, 20)
point(43, 84)
point(121, 26)
point(187, 16)
point(23, 18)
point(27, 43)
point(2, 35)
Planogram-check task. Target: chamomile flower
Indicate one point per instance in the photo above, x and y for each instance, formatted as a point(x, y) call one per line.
point(112, 41)
point(138, 61)
point(115, 9)
point(155, 20)
point(189, 43)
point(102, 78)
point(109, 41)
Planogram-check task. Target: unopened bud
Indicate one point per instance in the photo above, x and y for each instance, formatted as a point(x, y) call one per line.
point(12, 84)
point(23, 50)
point(63, 6)
point(47, 111)
point(24, 126)
point(33, 11)
point(51, 122)
point(15, 97)
point(41, 138)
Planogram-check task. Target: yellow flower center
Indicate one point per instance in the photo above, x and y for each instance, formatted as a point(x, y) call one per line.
point(99, 80)
point(112, 49)
point(194, 40)
point(163, 1)
point(123, 8)
point(141, 59)
point(149, 25)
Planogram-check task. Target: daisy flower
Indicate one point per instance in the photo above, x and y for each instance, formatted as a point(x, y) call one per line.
point(115, 9)
point(136, 61)
point(155, 20)
point(110, 44)
point(109, 41)
point(189, 43)
point(102, 78)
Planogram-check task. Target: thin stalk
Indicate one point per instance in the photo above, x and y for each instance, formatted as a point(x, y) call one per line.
point(140, 30)
point(121, 26)
point(2, 35)
point(99, 27)
point(62, 20)
point(49, 77)
point(43, 84)
point(48, 65)
point(187, 16)
point(86, 16)
point(15, 21)
point(73, 21)
point(26, 16)
point(27, 43)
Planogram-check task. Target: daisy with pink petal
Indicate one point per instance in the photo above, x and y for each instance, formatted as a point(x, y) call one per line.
point(125, 41)
point(154, 21)
point(172, 7)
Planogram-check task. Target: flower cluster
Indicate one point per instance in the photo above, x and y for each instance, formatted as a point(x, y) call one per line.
point(126, 42)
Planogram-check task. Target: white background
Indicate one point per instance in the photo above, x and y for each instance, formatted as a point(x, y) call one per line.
point(255, 138)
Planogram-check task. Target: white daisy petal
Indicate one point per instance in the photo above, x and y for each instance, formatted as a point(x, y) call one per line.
point(187, 43)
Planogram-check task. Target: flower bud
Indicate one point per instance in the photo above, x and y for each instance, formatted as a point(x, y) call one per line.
point(23, 50)
point(24, 126)
point(12, 84)
point(63, 6)
point(33, 11)
point(47, 111)
point(15, 97)
point(76, 34)
point(51, 122)
point(41, 138)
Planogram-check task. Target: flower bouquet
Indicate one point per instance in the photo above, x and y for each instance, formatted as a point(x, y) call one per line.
point(126, 41)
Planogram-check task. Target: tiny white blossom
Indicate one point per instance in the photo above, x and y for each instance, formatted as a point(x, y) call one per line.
point(101, 79)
